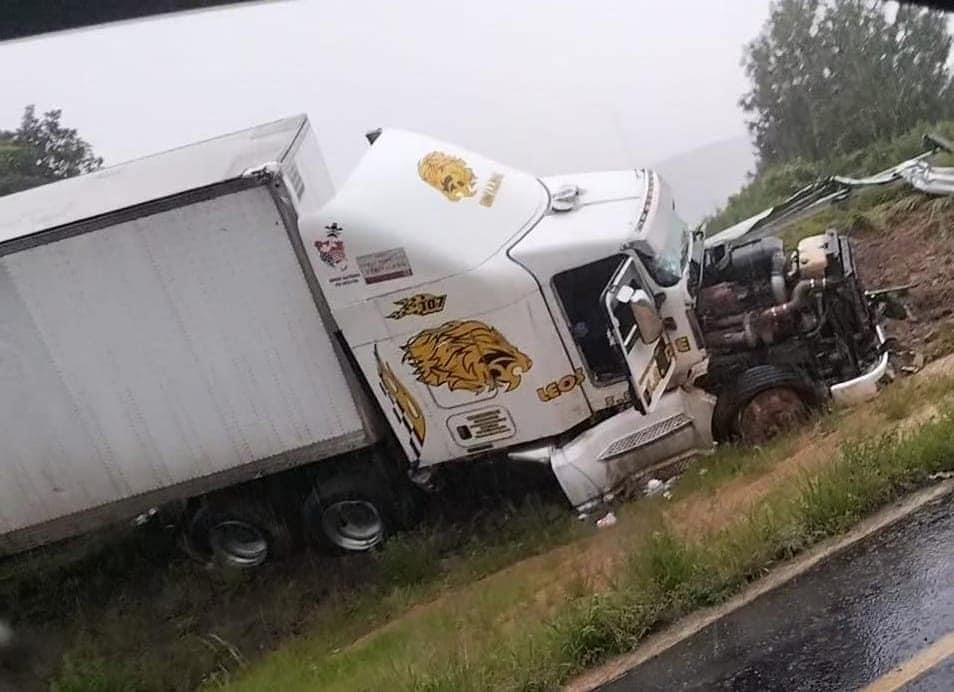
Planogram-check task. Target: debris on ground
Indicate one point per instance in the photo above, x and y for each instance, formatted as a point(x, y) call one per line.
point(609, 519)
point(654, 486)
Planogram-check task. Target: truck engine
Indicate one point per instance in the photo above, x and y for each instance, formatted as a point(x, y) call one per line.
point(801, 319)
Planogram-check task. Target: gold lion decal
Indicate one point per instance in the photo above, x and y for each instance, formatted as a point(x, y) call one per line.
point(466, 355)
point(448, 174)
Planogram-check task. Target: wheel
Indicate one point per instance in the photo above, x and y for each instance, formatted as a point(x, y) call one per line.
point(770, 413)
point(236, 531)
point(763, 402)
point(348, 514)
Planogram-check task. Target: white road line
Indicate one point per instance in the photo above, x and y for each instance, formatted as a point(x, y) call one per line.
point(915, 666)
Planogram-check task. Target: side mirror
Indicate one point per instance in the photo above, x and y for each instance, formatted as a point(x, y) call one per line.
point(647, 319)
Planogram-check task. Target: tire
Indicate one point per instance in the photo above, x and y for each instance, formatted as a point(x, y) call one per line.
point(783, 397)
point(348, 513)
point(236, 531)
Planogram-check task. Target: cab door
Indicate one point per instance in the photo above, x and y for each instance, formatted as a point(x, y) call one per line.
point(639, 331)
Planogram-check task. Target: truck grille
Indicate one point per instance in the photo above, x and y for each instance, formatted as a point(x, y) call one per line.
point(646, 435)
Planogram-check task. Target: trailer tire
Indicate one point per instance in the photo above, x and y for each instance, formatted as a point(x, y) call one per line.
point(236, 532)
point(788, 397)
point(348, 513)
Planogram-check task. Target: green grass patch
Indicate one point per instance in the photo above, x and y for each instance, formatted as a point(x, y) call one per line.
point(902, 398)
point(137, 616)
point(665, 577)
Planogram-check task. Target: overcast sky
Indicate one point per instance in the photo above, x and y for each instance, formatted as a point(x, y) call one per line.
point(550, 86)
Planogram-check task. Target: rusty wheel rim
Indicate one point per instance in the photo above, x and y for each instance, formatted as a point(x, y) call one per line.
point(771, 413)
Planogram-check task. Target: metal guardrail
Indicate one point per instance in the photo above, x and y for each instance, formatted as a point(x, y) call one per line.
point(917, 172)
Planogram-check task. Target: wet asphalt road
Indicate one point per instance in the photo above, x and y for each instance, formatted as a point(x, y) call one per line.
point(841, 626)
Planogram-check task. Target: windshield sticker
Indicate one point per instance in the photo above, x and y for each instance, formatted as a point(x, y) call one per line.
point(404, 405)
point(565, 384)
point(468, 355)
point(450, 175)
point(420, 304)
point(385, 266)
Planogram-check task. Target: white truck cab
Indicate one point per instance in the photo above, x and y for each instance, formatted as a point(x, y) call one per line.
point(491, 310)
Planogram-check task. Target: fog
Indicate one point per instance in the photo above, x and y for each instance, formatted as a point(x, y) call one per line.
point(547, 86)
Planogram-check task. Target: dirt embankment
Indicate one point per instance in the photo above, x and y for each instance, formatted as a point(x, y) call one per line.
point(916, 247)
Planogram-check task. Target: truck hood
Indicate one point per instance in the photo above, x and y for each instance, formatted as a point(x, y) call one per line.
point(417, 210)
point(604, 212)
point(600, 187)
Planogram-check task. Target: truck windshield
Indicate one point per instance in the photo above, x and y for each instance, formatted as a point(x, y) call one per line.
point(669, 262)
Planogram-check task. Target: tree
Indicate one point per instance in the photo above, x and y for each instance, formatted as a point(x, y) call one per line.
point(831, 76)
point(41, 151)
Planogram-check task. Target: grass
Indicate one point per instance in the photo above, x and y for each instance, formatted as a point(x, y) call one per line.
point(776, 183)
point(515, 598)
point(495, 635)
point(136, 616)
point(670, 576)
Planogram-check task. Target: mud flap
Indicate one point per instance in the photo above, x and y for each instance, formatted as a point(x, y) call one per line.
point(593, 465)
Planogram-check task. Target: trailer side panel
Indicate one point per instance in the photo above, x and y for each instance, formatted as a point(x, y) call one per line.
point(156, 352)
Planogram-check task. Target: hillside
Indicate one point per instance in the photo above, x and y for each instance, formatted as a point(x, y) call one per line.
point(704, 177)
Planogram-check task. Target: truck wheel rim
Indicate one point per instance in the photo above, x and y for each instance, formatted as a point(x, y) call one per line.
point(238, 543)
point(353, 525)
point(771, 413)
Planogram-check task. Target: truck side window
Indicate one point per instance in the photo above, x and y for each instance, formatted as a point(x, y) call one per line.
point(580, 292)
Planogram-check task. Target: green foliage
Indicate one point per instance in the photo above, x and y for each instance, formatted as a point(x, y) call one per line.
point(410, 559)
point(93, 675)
point(832, 76)
point(776, 183)
point(40, 151)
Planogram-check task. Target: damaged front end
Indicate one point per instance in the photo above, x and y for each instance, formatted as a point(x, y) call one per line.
point(806, 311)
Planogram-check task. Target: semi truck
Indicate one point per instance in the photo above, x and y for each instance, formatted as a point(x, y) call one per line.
point(216, 329)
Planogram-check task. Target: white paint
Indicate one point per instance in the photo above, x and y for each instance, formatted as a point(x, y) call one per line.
point(586, 478)
point(865, 386)
point(385, 205)
point(157, 351)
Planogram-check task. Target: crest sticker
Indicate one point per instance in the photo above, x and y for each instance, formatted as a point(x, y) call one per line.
point(419, 304)
point(331, 250)
point(332, 253)
point(468, 355)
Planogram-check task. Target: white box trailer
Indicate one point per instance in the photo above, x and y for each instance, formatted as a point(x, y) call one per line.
point(162, 335)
